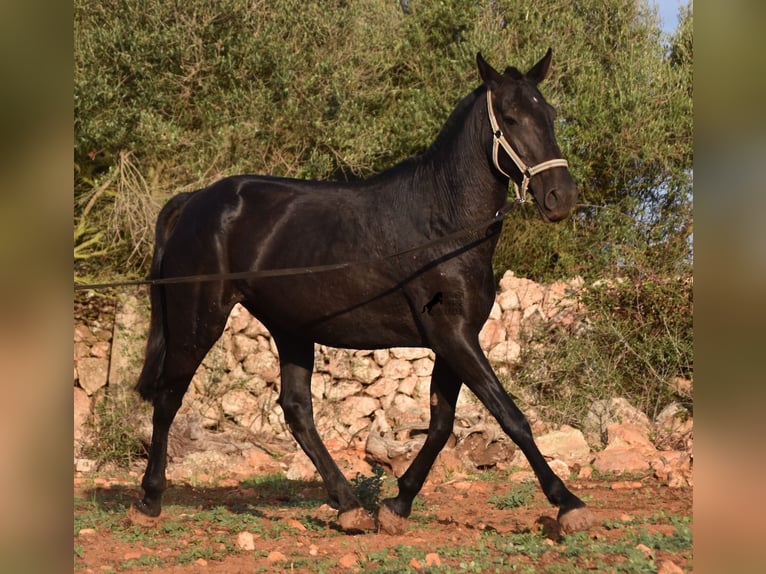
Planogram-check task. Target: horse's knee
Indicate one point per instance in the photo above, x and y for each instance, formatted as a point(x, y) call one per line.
point(298, 414)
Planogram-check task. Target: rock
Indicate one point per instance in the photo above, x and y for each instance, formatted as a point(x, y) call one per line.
point(432, 559)
point(505, 352)
point(245, 541)
point(508, 300)
point(82, 333)
point(398, 369)
point(93, 373)
point(492, 333)
point(673, 467)
point(483, 452)
point(508, 281)
point(262, 363)
point(407, 385)
point(364, 370)
point(301, 467)
point(356, 407)
point(85, 465)
point(256, 329)
point(242, 346)
point(423, 367)
point(529, 293)
point(337, 391)
point(238, 319)
point(629, 450)
point(237, 403)
point(673, 428)
point(81, 413)
point(410, 353)
point(566, 444)
point(669, 567)
point(381, 357)
point(384, 386)
point(405, 410)
point(560, 469)
point(608, 412)
point(101, 349)
point(295, 524)
point(349, 560)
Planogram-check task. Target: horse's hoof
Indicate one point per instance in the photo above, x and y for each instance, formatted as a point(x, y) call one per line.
point(576, 520)
point(356, 519)
point(140, 518)
point(152, 509)
point(390, 522)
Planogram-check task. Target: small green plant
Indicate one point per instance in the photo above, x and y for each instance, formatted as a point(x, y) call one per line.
point(114, 431)
point(367, 489)
point(518, 496)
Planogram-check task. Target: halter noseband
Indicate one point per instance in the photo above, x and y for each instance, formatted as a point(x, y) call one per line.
point(527, 172)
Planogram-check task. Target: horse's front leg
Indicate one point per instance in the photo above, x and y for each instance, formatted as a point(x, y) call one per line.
point(445, 388)
point(468, 360)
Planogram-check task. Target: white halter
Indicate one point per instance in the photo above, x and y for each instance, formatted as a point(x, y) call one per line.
point(527, 172)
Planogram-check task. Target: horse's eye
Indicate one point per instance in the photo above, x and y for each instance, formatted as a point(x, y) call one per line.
point(509, 121)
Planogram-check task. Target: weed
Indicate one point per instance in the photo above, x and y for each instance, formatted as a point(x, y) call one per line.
point(114, 431)
point(518, 496)
point(367, 489)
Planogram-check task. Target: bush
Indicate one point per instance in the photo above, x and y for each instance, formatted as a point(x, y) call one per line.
point(637, 339)
point(337, 89)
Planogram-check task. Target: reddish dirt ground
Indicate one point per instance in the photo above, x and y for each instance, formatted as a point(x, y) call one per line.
point(456, 513)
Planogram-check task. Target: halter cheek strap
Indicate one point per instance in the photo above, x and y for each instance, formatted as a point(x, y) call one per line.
point(527, 172)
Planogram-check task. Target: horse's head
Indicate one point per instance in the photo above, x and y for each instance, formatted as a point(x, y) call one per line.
point(524, 146)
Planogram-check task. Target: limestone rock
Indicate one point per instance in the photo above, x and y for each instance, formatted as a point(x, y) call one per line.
point(629, 450)
point(604, 413)
point(505, 352)
point(93, 373)
point(566, 444)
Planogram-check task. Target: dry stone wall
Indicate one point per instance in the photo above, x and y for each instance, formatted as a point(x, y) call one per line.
point(370, 401)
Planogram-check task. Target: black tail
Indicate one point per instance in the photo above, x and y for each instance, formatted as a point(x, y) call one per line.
point(149, 381)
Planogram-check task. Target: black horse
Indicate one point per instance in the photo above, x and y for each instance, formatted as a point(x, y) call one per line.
point(364, 282)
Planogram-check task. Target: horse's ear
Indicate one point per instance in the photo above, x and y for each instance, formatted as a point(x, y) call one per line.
point(490, 76)
point(539, 71)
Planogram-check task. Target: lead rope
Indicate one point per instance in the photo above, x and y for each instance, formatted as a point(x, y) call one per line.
point(489, 227)
point(527, 172)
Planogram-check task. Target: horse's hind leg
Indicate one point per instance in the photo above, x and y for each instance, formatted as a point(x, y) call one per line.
point(445, 388)
point(190, 333)
point(296, 360)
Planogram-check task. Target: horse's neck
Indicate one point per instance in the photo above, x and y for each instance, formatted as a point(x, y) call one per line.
point(456, 167)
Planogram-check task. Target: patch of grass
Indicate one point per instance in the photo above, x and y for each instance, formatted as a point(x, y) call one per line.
point(517, 496)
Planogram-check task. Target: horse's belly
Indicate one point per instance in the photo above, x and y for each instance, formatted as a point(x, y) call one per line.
point(337, 311)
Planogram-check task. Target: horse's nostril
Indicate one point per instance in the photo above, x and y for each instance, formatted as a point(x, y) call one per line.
point(551, 200)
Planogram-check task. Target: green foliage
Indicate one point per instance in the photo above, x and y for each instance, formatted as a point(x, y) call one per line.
point(193, 91)
point(114, 432)
point(637, 340)
point(367, 489)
